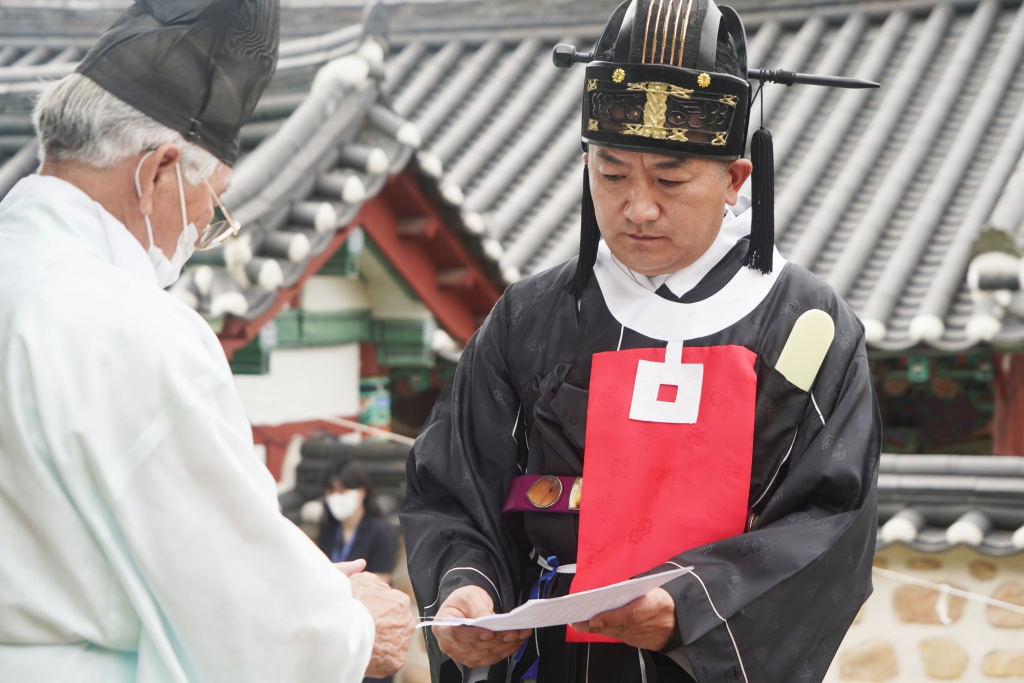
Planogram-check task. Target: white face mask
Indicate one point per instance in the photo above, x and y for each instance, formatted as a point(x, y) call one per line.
point(168, 270)
point(344, 505)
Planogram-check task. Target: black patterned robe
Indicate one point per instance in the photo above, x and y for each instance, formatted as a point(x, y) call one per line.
point(772, 604)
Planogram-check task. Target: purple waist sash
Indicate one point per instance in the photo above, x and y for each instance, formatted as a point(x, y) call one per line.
point(543, 493)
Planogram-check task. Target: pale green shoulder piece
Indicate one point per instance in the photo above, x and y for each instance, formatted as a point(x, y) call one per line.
point(806, 347)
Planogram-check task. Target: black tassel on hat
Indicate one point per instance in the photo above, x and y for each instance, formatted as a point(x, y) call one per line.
point(590, 238)
point(762, 223)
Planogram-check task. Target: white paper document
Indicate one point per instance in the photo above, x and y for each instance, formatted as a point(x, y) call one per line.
point(568, 609)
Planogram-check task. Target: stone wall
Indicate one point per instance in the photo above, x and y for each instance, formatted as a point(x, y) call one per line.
point(908, 633)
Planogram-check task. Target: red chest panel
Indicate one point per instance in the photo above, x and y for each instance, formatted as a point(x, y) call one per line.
point(653, 490)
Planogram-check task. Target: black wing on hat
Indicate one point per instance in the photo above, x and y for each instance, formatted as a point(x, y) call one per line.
point(197, 66)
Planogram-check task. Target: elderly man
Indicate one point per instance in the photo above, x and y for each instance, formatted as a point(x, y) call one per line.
point(673, 397)
point(140, 538)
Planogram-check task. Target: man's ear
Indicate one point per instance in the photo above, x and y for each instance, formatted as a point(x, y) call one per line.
point(152, 169)
point(736, 173)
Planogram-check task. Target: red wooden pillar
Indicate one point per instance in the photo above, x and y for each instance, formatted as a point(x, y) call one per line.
point(276, 438)
point(1008, 422)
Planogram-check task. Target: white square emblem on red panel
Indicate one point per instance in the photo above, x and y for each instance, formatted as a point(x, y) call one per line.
point(667, 392)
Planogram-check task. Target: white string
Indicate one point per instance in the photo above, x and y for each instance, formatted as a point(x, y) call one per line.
point(777, 470)
point(817, 408)
point(643, 666)
point(622, 331)
point(725, 621)
point(472, 569)
point(946, 589)
point(340, 421)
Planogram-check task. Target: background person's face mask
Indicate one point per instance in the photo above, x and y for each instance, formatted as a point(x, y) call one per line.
point(344, 505)
point(168, 269)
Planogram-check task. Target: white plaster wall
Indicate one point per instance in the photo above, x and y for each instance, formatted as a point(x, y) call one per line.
point(387, 298)
point(333, 293)
point(303, 384)
point(972, 632)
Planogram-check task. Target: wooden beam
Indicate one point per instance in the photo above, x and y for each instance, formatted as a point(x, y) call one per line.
point(1008, 421)
point(456, 278)
point(429, 255)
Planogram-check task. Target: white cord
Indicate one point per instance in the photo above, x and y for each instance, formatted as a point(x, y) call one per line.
point(815, 402)
point(622, 331)
point(777, 470)
point(743, 669)
point(472, 569)
point(946, 589)
point(643, 666)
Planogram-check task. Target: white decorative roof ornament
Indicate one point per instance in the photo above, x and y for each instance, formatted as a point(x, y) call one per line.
point(971, 529)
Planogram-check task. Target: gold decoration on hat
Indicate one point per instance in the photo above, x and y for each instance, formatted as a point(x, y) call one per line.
point(686, 27)
point(720, 139)
point(668, 89)
point(655, 110)
point(591, 84)
point(731, 100)
point(592, 125)
point(618, 75)
point(704, 80)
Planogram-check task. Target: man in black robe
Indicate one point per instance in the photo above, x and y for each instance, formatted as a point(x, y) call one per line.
point(680, 264)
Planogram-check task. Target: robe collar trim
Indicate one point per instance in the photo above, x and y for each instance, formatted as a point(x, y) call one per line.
point(735, 226)
point(640, 309)
point(88, 219)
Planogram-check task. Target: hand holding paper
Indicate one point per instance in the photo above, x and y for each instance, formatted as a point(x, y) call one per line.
point(647, 623)
point(567, 609)
point(470, 646)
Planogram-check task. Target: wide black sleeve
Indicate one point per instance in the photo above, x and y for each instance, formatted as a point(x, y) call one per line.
point(457, 474)
point(773, 604)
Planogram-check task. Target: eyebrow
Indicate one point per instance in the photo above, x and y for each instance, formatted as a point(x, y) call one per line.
point(605, 155)
point(672, 162)
point(667, 163)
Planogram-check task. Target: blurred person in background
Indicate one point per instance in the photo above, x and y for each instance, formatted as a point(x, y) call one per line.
point(140, 537)
point(353, 526)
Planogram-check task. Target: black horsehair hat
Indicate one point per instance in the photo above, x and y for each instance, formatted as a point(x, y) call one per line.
point(197, 66)
point(670, 77)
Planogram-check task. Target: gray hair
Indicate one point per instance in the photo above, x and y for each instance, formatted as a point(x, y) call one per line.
point(78, 120)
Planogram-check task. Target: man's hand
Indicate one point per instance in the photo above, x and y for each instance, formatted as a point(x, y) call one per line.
point(468, 645)
point(647, 622)
point(351, 568)
point(392, 621)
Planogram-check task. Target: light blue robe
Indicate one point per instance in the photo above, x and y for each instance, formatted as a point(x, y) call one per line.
point(140, 538)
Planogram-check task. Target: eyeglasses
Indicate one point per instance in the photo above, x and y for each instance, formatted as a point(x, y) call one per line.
point(219, 231)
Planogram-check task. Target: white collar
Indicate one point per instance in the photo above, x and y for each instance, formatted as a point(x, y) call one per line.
point(682, 281)
point(88, 218)
point(640, 309)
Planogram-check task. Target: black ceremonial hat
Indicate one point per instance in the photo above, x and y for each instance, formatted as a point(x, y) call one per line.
point(670, 77)
point(196, 66)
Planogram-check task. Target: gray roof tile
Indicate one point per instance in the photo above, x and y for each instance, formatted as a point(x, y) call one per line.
point(881, 193)
point(318, 149)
